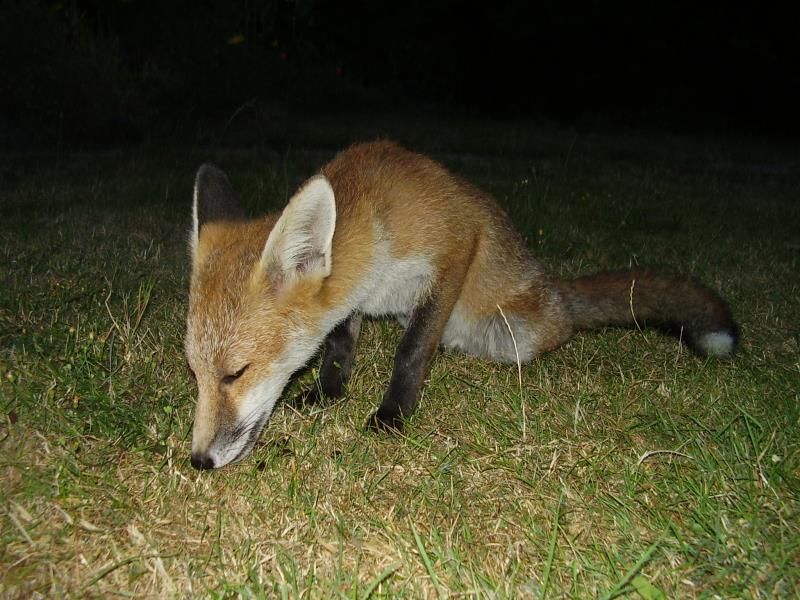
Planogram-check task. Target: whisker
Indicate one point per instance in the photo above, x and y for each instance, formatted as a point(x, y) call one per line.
point(244, 426)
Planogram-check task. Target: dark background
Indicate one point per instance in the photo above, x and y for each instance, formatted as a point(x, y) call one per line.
point(93, 72)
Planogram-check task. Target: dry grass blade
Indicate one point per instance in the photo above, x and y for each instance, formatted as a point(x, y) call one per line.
point(551, 552)
point(519, 373)
point(426, 560)
point(634, 570)
point(381, 577)
point(105, 571)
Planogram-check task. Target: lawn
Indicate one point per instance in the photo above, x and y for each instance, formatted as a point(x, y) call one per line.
point(620, 466)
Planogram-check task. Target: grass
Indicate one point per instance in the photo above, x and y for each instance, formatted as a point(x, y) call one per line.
point(623, 467)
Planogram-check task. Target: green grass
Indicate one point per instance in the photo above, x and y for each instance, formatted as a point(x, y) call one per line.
point(624, 467)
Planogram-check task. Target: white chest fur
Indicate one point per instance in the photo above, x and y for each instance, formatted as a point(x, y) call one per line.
point(393, 286)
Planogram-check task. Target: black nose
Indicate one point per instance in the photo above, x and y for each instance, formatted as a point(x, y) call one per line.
point(202, 461)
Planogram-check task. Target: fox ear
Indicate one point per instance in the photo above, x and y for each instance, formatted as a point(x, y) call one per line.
point(299, 246)
point(214, 200)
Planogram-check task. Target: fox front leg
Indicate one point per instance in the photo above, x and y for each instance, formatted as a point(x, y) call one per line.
point(337, 360)
point(412, 361)
point(411, 365)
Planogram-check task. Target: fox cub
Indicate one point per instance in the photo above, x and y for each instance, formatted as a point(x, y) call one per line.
point(384, 231)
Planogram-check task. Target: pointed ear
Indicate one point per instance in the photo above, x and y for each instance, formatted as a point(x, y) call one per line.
point(214, 200)
point(299, 245)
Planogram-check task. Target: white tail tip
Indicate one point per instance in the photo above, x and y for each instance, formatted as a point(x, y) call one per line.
point(717, 343)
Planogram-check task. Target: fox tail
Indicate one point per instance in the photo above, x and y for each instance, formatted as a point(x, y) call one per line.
point(633, 298)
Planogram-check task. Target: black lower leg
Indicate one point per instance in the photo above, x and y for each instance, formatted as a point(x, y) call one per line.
point(337, 359)
point(411, 365)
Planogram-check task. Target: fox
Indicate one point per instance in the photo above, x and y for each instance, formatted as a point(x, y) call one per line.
point(382, 231)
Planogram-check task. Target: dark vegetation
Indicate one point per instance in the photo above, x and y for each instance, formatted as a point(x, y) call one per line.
point(91, 72)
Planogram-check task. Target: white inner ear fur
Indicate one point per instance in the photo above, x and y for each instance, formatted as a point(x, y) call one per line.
point(299, 245)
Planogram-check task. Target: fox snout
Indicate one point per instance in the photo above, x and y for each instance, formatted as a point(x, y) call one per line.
point(227, 445)
point(202, 460)
point(220, 439)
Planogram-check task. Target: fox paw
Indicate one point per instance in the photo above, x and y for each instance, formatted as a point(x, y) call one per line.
point(316, 396)
point(385, 422)
point(312, 397)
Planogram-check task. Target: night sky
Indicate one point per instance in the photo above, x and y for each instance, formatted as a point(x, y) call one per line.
point(124, 70)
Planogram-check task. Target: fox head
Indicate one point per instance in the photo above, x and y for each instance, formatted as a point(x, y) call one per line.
point(253, 303)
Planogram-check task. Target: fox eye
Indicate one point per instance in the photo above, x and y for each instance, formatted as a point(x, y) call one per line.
point(228, 379)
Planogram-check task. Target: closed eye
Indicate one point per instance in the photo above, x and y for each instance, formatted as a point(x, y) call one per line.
point(229, 379)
